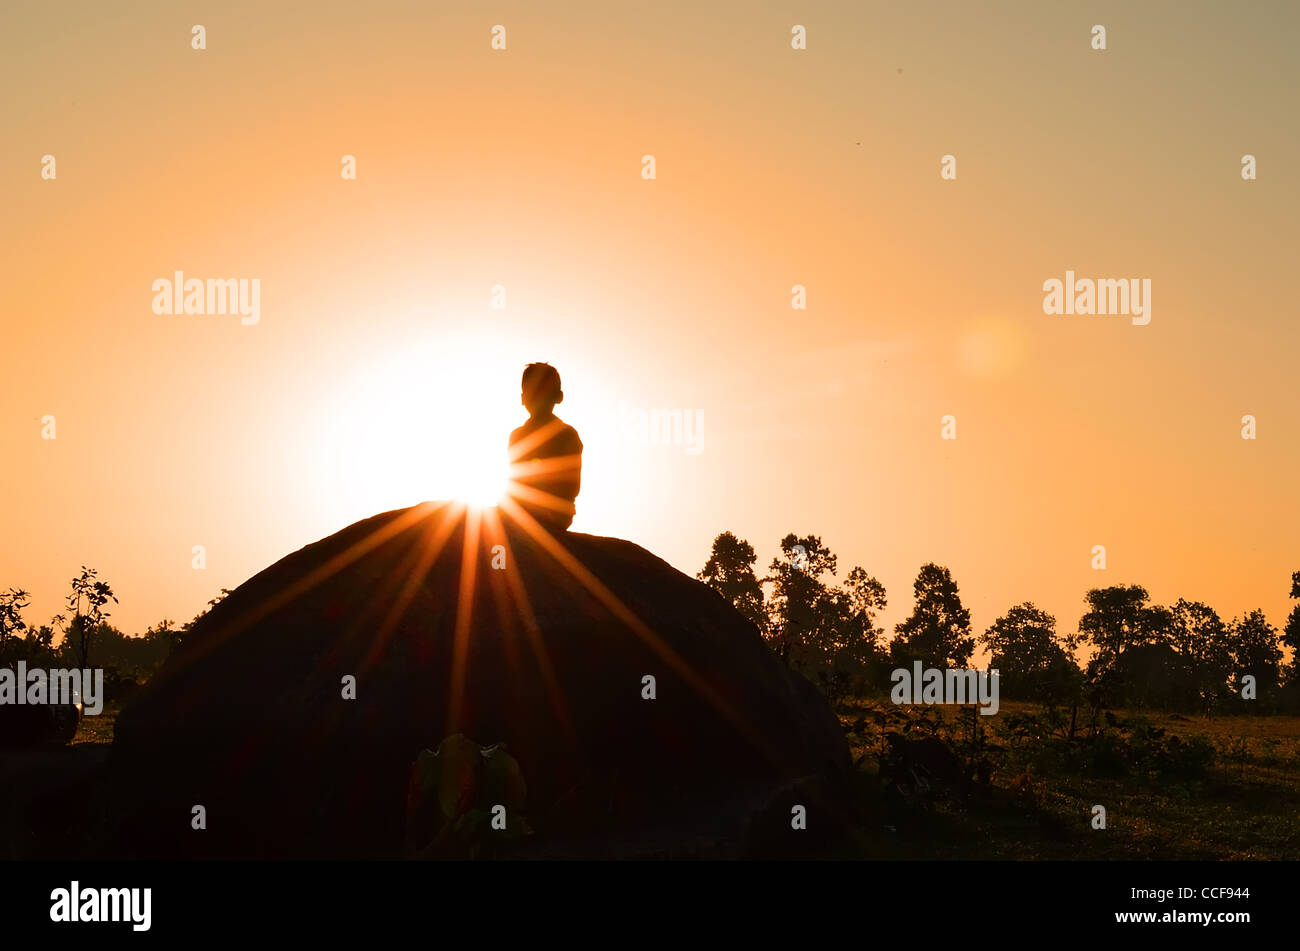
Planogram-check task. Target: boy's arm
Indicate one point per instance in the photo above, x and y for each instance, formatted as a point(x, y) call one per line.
point(577, 469)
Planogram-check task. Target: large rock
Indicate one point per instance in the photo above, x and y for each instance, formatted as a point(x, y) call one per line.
point(37, 725)
point(547, 654)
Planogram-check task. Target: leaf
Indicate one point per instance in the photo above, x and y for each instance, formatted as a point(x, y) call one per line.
point(458, 760)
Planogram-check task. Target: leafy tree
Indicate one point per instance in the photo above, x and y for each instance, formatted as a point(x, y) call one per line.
point(12, 624)
point(38, 646)
point(1201, 639)
point(862, 599)
point(1120, 618)
point(1030, 658)
point(1291, 633)
point(87, 600)
point(826, 632)
point(1022, 640)
point(938, 633)
point(802, 603)
point(1256, 651)
point(730, 572)
point(166, 634)
point(1152, 675)
point(845, 652)
point(134, 656)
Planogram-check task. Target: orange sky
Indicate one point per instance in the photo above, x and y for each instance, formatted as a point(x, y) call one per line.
point(378, 352)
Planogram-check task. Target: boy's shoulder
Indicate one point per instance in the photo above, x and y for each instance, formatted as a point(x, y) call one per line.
point(568, 431)
point(564, 434)
point(568, 435)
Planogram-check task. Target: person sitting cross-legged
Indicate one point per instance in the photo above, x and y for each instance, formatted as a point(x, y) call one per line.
point(545, 452)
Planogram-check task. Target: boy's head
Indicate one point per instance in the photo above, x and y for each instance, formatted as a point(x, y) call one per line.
point(541, 388)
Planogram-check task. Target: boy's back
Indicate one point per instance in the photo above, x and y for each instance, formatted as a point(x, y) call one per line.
point(546, 469)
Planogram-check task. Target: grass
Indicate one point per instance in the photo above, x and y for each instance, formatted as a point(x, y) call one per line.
point(1038, 801)
point(99, 728)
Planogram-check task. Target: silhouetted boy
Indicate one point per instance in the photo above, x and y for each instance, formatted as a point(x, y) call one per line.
point(545, 452)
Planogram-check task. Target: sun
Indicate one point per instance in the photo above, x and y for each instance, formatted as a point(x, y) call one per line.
point(474, 474)
point(429, 424)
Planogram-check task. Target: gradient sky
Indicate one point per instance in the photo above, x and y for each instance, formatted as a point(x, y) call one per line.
point(378, 353)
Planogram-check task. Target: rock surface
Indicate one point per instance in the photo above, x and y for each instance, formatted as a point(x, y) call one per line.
point(548, 653)
point(37, 726)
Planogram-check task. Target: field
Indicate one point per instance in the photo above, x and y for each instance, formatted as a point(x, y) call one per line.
point(1173, 787)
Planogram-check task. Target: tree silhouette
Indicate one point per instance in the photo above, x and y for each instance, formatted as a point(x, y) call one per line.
point(730, 572)
point(863, 597)
point(1119, 618)
point(1027, 653)
point(801, 601)
point(1130, 647)
point(87, 601)
point(1291, 633)
point(1202, 640)
point(844, 653)
point(1139, 653)
point(938, 633)
point(165, 633)
point(1256, 651)
point(825, 632)
point(35, 646)
point(12, 603)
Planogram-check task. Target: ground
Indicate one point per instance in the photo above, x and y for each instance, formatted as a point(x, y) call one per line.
point(1038, 801)
point(1165, 798)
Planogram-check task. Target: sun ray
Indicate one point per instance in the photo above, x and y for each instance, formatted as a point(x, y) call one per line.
point(611, 601)
point(534, 439)
point(411, 579)
point(464, 619)
point(539, 498)
point(307, 582)
point(523, 609)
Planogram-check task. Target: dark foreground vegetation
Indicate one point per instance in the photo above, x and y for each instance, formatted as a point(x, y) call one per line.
point(1173, 787)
